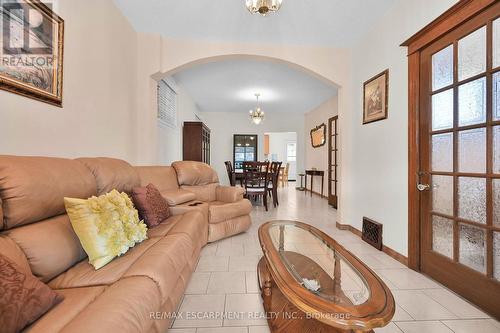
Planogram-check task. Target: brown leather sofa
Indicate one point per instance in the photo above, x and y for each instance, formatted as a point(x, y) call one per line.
point(189, 186)
point(135, 292)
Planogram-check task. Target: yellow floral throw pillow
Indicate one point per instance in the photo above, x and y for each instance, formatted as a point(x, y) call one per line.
point(107, 226)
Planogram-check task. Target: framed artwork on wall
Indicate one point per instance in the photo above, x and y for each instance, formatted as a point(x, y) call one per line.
point(375, 97)
point(318, 136)
point(31, 50)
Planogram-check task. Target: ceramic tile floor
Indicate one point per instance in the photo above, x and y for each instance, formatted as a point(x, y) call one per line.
point(225, 281)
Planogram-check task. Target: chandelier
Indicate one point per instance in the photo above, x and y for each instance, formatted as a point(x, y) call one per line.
point(263, 7)
point(257, 115)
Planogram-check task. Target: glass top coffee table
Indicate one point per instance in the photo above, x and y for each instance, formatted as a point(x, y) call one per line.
point(310, 283)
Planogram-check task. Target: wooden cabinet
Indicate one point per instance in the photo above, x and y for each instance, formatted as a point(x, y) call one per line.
point(196, 142)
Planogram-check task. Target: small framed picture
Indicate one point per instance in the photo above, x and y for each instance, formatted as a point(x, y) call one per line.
point(375, 97)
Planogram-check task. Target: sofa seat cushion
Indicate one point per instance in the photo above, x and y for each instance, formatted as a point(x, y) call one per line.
point(157, 258)
point(220, 211)
point(124, 307)
point(163, 228)
point(194, 224)
point(75, 300)
point(84, 275)
point(178, 197)
point(164, 262)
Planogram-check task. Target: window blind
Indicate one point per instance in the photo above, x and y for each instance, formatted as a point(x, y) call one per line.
point(167, 105)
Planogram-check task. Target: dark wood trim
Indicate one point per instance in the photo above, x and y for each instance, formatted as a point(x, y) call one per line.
point(453, 17)
point(395, 255)
point(387, 250)
point(348, 227)
point(333, 162)
point(413, 162)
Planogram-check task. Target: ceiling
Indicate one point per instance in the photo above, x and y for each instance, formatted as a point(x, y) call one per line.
point(230, 85)
point(332, 23)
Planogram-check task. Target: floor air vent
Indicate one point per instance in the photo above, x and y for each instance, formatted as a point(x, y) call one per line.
point(372, 233)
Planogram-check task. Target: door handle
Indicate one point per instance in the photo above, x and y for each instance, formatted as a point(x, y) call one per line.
point(423, 187)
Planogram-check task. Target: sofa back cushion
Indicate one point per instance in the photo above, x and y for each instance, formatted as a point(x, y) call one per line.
point(33, 188)
point(163, 178)
point(51, 246)
point(11, 250)
point(194, 173)
point(206, 193)
point(111, 174)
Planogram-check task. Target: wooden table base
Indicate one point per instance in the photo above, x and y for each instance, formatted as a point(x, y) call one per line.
point(282, 315)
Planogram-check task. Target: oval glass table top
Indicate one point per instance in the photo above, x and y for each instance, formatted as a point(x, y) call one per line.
point(322, 278)
point(295, 245)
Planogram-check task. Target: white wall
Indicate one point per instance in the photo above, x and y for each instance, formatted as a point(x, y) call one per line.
point(170, 139)
point(99, 92)
point(318, 157)
point(375, 156)
point(224, 124)
point(278, 142)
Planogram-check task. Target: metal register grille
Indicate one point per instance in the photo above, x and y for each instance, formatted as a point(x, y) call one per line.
point(372, 233)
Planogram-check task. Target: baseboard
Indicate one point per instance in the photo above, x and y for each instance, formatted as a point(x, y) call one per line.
point(350, 228)
point(395, 255)
point(387, 250)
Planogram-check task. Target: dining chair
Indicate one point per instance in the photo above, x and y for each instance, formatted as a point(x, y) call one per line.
point(230, 173)
point(256, 180)
point(283, 177)
point(272, 186)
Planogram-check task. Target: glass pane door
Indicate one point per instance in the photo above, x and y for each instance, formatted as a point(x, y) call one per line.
point(460, 159)
point(333, 161)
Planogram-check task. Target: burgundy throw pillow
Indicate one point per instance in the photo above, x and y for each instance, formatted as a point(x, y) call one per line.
point(23, 298)
point(152, 207)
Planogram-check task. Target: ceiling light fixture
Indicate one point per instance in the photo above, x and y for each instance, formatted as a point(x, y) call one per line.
point(257, 115)
point(263, 7)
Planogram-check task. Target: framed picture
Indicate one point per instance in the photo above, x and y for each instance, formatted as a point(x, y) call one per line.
point(318, 136)
point(31, 53)
point(375, 97)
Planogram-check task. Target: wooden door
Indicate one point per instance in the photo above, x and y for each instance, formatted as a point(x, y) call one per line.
point(332, 161)
point(459, 178)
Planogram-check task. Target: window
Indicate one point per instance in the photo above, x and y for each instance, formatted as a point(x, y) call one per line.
point(291, 152)
point(167, 105)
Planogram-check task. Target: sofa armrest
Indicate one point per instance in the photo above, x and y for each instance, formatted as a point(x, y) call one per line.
point(229, 194)
point(178, 197)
